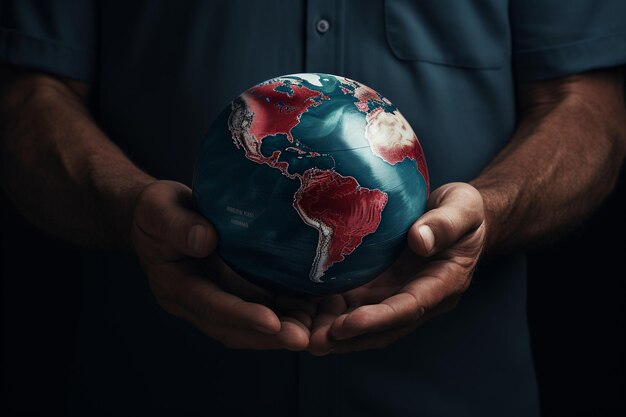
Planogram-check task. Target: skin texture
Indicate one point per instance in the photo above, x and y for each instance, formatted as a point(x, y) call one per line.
point(572, 127)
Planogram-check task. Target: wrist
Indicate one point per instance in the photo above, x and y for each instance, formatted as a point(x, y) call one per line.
point(117, 201)
point(499, 202)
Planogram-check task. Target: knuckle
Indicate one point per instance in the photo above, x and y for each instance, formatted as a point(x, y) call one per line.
point(461, 212)
point(165, 224)
point(418, 308)
point(468, 193)
point(444, 225)
point(147, 199)
point(151, 210)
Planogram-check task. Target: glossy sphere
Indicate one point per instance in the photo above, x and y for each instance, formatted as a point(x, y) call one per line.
point(311, 181)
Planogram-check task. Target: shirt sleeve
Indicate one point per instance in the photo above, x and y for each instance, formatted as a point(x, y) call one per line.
point(552, 38)
point(54, 36)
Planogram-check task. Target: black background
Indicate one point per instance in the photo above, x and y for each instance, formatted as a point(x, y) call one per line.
point(576, 313)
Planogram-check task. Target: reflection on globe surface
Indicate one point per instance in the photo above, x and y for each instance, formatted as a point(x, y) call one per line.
point(311, 181)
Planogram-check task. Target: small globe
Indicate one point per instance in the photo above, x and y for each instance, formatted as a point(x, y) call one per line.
point(312, 182)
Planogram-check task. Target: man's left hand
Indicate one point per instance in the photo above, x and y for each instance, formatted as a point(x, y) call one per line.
point(444, 246)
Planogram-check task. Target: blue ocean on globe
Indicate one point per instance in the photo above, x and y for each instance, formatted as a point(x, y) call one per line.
point(312, 182)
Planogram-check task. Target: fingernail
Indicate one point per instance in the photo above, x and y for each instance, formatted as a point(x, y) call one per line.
point(196, 238)
point(426, 233)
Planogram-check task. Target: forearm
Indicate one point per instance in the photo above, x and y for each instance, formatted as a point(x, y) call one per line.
point(561, 163)
point(59, 168)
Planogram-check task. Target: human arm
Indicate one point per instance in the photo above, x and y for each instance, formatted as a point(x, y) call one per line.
point(65, 175)
point(58, 168)
point(563, 159)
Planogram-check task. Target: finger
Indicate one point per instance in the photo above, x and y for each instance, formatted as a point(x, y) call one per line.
point(164, 213)
point(456, 210)
point(397, 310)
point(329, 309)
point(385, 338)
point(192, 296)
point(293, 335)
point(300, 316)
point(371, 293)
point(294, 332)
point(374, 341)
point(416, 299)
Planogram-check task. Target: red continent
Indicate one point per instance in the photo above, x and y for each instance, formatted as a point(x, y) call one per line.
point(394, 151)
point(414, 151)
point(364, 94)
point(330, 201)
point(277, 112)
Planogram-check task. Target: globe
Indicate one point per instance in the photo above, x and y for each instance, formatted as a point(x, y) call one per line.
point(312, 182)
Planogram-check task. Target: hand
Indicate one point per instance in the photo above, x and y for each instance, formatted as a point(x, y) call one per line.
point(175, 246)
point(428, 279)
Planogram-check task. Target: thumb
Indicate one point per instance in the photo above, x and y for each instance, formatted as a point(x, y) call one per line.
point(201, 237)
point(164, 213)
point(456, 210)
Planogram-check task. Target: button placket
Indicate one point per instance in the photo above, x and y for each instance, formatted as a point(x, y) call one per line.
point(321, 39)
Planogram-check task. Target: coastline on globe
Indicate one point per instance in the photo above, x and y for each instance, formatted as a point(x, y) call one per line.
point(312, 182)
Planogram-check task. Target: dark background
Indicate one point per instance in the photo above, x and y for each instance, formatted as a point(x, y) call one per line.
point(576, 311)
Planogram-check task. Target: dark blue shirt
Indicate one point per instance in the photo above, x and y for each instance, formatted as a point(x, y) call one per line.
point(161, 71)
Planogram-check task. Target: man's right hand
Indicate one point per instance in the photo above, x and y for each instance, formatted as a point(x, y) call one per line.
point(175, 245)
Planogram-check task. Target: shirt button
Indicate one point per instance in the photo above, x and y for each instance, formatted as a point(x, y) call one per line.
point(322, 26)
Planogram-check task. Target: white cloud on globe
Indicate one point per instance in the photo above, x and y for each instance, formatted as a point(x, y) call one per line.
point(388, 132)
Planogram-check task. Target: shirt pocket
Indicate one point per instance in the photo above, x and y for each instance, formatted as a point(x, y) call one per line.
point(462, 33)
